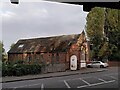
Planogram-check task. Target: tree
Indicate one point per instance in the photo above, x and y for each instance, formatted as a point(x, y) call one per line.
point(94, 29)
point(1, 45)
point(12, 45)
point(102, 24)
point(2, 51)
point(113, 33)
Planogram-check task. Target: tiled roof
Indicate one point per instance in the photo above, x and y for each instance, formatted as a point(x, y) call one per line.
point(47, 44)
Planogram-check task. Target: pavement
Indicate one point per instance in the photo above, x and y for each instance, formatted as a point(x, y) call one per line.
point(49, 75)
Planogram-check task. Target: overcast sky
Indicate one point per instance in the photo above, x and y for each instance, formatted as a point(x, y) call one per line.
point(40, 19)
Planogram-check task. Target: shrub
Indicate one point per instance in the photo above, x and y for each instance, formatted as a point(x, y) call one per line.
point(7, 70)
point(20, 69)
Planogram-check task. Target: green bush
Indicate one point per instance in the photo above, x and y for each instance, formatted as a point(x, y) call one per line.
point(20, 69)
point(7, 70)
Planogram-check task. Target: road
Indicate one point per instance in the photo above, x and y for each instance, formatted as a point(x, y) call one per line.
point(105, 79)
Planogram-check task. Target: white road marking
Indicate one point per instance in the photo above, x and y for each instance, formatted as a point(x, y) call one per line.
point(42, 86)
point(85, 81)
point(102, 80)
point(96, 84)
point(113, 77)
point(82, 86)
point(110, 81)
point(90, 77)
point(67, 84)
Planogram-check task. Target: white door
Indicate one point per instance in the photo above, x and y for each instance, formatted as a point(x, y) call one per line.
point(73, 62)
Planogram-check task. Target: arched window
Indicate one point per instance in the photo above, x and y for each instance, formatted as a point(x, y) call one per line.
point(57, 57)
point(29, 58)
point(52, 58)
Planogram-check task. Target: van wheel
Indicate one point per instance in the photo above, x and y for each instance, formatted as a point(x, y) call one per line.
point(101, 66)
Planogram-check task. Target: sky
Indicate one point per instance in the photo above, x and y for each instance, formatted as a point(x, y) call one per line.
point(40, 19)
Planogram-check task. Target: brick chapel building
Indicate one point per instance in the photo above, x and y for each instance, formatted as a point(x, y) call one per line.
point(57, 51)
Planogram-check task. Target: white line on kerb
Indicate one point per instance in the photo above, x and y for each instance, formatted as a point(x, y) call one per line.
point(67, 84)
point(42, 86)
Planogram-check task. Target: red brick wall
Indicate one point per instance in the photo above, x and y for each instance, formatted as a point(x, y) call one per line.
point(15, 57)
point(46, 56)
point(74, 50)
point(64, 57)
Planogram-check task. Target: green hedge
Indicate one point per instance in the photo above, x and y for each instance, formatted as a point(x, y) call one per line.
point(20, 69)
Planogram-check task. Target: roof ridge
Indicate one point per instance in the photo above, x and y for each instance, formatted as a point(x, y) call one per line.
point(47, 37)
